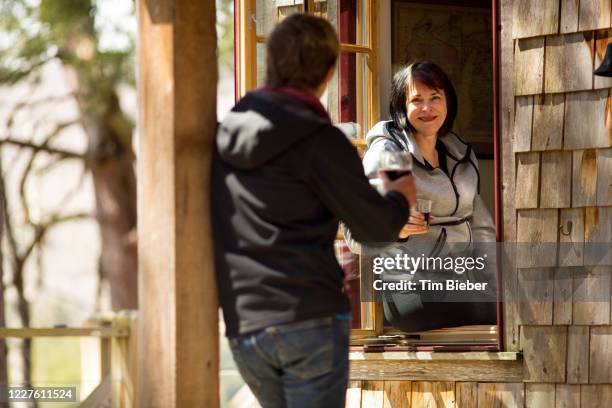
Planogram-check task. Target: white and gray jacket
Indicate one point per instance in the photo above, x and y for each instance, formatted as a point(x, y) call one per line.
point(460, 216)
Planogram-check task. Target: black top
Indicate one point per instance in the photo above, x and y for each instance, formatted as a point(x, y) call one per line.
point(282, 179)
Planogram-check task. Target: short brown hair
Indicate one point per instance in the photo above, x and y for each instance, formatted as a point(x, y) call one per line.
point(301, 50)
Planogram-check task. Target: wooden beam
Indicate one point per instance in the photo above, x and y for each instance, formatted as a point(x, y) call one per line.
point(177, 119)
point(29, 332)
point(437, 370)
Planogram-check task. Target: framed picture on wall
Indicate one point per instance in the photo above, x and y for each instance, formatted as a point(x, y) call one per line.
point(458, 39)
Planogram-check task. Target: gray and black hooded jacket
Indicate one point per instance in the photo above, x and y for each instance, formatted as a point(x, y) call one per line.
point(282, 179)
point(461, 217)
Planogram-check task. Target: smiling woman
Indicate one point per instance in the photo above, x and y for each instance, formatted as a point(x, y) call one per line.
point(423, 109)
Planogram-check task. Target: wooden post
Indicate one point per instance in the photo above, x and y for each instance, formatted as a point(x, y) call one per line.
point(177, 119)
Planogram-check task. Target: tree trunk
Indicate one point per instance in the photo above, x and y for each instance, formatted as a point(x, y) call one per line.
point(3, 349)
point(115, 190)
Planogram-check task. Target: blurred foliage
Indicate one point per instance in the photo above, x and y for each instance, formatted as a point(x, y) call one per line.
point(35, 32)
point(225, 34)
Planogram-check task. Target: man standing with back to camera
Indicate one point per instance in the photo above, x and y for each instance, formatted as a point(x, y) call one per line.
point(283, 177)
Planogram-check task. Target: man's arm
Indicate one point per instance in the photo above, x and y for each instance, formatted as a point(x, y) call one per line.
point(336, 174)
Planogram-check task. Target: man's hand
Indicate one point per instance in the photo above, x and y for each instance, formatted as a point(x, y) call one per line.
point(404, 185)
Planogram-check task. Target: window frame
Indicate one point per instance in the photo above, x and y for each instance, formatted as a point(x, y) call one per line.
point(245, 58)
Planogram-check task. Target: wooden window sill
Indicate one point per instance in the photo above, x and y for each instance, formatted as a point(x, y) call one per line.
point(436, 366)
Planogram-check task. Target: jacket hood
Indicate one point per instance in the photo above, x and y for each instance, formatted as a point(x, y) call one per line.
point(262, 126)
point(382, 131)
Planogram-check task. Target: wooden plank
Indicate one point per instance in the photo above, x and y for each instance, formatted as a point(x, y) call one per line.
point(604, 183)
point(584, 178)
point(466, 394)
point(548, 122)
point(594, 14)
point(578, 355)
point(32, 332)
point(569, 16)
point(537, 237)
point(602, 38)
point(435, 355)
point(567, 396)
point(536, 288)
point(436, 370)
point(590, 107)
point(529, 66)
point(535, 17)
point(501, 395)
point(397, 394)
point(435, 394)
point(591, 301)
point(571, 237)
point(179, 358)
point(555, 187)
point(527, 180)
point(569, 62)
point(523, 123)
point(600, 355)
point(544, 352)
point(539, 396)
point(562, 302)
point(597, 236)
point(506, 115)
point(372, 394)
point(353, 394)
point(595, 396)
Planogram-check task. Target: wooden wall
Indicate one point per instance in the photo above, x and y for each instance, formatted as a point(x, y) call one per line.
point(556, 129)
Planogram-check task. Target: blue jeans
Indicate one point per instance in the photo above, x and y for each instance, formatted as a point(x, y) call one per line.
point(295, 365)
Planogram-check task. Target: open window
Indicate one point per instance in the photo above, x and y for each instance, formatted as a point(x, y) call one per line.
point(377, 38)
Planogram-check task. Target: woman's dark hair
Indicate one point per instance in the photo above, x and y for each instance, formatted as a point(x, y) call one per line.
point(430, 75)
point(300, 52)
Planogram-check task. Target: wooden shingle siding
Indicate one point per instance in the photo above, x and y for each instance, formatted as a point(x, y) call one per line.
point(466, 394)
point(587, 120)
point(544, 353)
point(501, 395)
point(535, 17)
point(569, 16)
point(556, 178)
point(597, 232)
point(600, 355)
point(578, 355)
point(604, 182)
point(353, 394)
point(539, 228)
point(567, 396)
point(591, 303)
point(571, 237)
point(569, 62)
point(536, 288)
point(523, 120)
point(584, 178)
point(398, 394)
point(528, 179)
point(562, 298)
point(548, 114)
point(594, 14)
point(433, 394)
point(540, 396)
point(595, 396)
point(372, 394)
point(529, 66)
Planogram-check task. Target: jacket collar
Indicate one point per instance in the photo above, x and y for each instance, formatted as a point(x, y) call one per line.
point(455, 147)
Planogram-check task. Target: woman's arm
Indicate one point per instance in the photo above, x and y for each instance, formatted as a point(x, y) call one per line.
point(483, 228)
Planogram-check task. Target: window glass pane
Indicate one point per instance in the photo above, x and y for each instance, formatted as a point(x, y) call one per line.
point(268, 13)
point(347, 95)
point(261, 64)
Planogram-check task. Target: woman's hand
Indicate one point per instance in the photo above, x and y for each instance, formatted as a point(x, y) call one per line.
point(416, 225)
